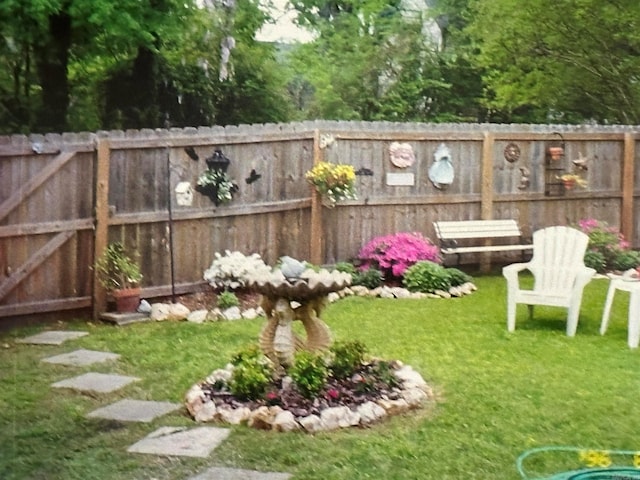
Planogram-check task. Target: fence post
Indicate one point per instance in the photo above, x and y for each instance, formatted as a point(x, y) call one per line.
point(101, 229)
point(486, 193)
point(626, 214)
point(317, 243)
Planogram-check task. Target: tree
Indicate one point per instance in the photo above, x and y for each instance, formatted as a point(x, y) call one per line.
point(560, 60)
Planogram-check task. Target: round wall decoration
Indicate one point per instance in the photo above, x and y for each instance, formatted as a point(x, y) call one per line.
point(512, 152)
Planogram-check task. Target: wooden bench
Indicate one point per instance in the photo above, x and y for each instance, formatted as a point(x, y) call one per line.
point(480, 236)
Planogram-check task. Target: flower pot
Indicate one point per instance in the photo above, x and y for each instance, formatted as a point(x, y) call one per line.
point(127, 299)
point(569, 184)
point(555, 153)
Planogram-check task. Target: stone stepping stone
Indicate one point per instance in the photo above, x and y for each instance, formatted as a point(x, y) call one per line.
point(80, 358)
point(177, 441)
point(52, 337)
point(95, 382)
point(220, 473)
point(122, 319)
point(128, 410)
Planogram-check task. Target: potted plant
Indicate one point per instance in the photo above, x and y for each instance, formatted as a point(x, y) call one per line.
point(556, 153)
point(334, 182)
point(570, 180)
point(120, 276)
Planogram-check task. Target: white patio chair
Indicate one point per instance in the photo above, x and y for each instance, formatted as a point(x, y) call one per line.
point(559, 272)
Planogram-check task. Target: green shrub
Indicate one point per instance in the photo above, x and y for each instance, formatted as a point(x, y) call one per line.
point(458, 277)
point(346, 358)
point(309, 372)
point(426, 277)
point(595, 260)
point(227, 300)
point(345, 267)
point(625, 260)
point(370, 278)
point(252, 373)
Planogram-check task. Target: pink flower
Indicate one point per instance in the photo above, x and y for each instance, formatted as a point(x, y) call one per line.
point(395, 253)
point(333, 393)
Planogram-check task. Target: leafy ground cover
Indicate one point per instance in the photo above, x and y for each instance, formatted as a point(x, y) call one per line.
point(499, 394)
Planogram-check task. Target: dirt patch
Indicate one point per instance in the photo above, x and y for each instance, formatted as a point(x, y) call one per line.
point(208, 299)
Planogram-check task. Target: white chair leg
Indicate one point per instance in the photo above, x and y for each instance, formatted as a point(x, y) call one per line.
point(607, 309)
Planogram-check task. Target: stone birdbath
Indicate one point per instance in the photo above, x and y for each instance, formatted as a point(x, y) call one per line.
point(295, 293)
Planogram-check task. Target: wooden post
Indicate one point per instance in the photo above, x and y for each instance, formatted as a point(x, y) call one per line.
point(101, 232)
point(626, 214)
point(486, 194)
point(317, 243)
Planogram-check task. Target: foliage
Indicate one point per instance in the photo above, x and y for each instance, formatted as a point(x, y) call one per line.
point(610, 244)
point(233, 269)
point(566, 68)
point(252, 373)
point(333, 181)
point(346, 267)
point(346, 357)
point(458, 277)
point(370, 277)
point(116, 270)
point(393, 254)
point(596, 260)
point(227, 299)
point(427, 277)
point(309, 373)
point(626, 260)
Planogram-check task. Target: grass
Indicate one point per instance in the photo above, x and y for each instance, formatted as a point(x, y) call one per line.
point(499, 394)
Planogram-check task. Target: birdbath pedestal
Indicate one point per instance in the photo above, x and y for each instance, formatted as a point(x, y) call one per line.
point(286, 300)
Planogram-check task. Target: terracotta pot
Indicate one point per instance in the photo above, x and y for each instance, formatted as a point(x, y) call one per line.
point(127, 299)
point(555, 153)
point(569, 184)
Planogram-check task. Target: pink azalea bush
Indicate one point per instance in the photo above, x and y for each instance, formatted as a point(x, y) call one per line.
point(393, 254)
point(608, 249)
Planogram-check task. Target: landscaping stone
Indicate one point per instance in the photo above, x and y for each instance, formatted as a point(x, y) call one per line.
point(128, 410)
point(122, 319)
point(52, 337)
point(80, 358)
point(95, 382)
point(198, 316)
point(180, 441)
point(222, 473)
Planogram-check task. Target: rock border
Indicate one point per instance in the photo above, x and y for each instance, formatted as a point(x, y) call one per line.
point(177, 311)
point(413, 393)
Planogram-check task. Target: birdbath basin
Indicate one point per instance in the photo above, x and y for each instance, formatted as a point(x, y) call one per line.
point(288, 298)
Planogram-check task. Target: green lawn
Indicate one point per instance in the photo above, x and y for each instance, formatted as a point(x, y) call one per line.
point(499, 394)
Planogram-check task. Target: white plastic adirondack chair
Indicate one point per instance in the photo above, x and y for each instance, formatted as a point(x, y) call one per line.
point(559, 272)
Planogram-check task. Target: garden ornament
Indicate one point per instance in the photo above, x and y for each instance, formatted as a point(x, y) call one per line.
point(401, 154)
point(184, 194)
point(581, 162)
point(291, 268)
point(441, 172)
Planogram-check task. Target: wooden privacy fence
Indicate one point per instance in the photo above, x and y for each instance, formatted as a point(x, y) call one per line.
point(64, 197)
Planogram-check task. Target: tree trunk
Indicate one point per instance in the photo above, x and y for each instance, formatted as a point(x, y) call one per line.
point(52, 57)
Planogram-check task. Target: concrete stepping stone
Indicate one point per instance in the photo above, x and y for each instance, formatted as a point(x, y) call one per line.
point(220, 473)
point(52, 337)
point(80, 358)
point(180, 441)
point(95, 382)
point(128, 410)
point(122, 319)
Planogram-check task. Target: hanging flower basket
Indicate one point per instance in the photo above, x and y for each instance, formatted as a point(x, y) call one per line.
point(334, 182)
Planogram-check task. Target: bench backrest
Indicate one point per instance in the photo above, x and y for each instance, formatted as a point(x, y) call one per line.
point(456, 230)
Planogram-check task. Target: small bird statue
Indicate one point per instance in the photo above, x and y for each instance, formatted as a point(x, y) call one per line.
point(291, 268)
point(581, 162)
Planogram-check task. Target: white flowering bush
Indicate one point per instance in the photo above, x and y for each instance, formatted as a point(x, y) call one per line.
point(233, 269)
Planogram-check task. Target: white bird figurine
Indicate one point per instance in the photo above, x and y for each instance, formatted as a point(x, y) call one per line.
point(291, 268)
point(581, 162)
